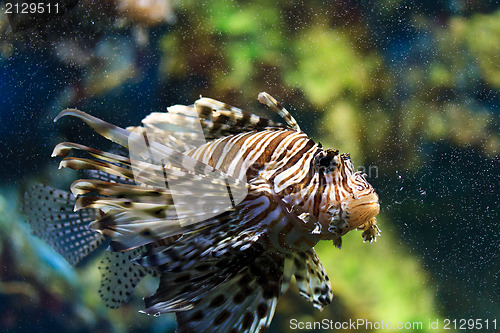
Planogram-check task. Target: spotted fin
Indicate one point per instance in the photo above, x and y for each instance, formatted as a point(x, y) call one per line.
point(199, 261)
point(50, 214)
point(106, 177)
point(220, 240)
point(312, 280)
point(120, 276)
point(241, 297)
point(246, 303)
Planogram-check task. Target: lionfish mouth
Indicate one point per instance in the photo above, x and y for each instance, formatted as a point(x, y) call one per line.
point(362, 210)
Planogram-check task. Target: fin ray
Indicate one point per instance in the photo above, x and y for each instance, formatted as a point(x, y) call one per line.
point(312, 280)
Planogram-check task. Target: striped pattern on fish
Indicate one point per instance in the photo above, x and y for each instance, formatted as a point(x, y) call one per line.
point(222, 263)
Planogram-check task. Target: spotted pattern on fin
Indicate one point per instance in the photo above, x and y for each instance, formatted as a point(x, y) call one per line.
point(120, 275)
point(190, 269)
point(50, 214)
point(106, 177)
point(223, 238)
point(311, 277)
point(244, 303)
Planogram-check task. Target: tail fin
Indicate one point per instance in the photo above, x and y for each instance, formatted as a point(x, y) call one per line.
point(50, 213)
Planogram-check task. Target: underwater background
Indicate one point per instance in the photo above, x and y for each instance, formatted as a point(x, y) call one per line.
point(411, 89)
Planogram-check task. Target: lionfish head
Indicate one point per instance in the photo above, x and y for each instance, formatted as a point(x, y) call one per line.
point(350, 202)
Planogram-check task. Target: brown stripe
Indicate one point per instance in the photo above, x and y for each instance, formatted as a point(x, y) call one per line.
point(308, 177)
point(203, 111)
point(294, 159)
point(234, 151)
point(302, 182)
point(344, 177)
point(271, 147)
point(216, 154)
point(319, 192)
point(263, 122)
point(288, 148)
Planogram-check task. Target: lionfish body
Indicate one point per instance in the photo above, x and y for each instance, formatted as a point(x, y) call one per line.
point(222, 260)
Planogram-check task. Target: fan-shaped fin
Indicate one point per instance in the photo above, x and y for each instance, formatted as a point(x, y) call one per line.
point(245, 303)
point(50, 213)
point(233, 293)
point(312, 280)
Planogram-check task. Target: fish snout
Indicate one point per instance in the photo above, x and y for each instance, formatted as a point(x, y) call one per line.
point(362, 209)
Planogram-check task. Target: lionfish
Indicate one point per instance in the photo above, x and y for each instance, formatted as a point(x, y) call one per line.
point(220, 204)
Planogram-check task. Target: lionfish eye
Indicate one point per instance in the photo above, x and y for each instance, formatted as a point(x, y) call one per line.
point(327, 160)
